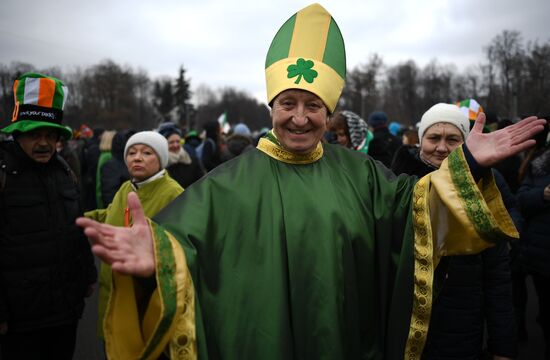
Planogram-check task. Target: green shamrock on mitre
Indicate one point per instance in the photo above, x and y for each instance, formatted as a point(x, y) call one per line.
point(302, 68)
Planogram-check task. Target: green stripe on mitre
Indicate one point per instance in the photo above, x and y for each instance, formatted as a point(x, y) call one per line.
point(334, 55)
point(475, 206)
point(289, 73)
point(335, 50)
point(167, 286)
point(29, 125)
point(280, 45)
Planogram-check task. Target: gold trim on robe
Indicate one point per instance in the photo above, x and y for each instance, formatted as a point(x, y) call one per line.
point(277, 152)
point(168, 324)
point(452, 215)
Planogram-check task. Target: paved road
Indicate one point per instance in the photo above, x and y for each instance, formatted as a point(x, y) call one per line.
point(88, 346)
point(534, 348)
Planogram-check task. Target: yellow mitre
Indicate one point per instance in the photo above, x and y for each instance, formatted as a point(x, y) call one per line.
point(307, 53)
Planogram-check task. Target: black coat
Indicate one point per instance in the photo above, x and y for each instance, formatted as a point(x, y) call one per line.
point(383, 145)
point(115, 172)
point(470, 290)
point(46, 263)
point(535, 251)
point(184, 169)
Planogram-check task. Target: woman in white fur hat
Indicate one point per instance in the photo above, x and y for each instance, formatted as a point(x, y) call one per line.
point(442, 129)
point(146, 156)
point(465, 299)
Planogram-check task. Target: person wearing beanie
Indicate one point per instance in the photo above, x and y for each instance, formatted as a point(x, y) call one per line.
point(209, 152)
point(182, 166)
point(300, 249)
point(241, 129)
point(377, 119)
point(239, 142)
point(442, 129)
point(383, 145)
point(465, 301)
point(46, 265)
point(146, 156)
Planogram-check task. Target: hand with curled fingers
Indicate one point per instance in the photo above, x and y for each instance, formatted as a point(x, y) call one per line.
point(129, 250)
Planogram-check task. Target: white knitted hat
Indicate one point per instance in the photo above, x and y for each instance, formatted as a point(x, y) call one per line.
point(154, 140)
point(444, 113)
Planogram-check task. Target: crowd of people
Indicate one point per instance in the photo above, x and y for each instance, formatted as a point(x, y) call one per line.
point(327, 236)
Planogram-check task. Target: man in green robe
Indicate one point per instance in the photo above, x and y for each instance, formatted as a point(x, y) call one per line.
point(300, 249)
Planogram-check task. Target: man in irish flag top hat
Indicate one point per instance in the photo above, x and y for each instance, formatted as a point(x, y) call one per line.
point(299, 249)
point(46, 266)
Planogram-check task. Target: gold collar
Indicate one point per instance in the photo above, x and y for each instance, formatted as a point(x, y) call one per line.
point(269, 146)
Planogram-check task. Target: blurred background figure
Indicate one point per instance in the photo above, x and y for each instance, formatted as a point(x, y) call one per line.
point(410, 137)
point(383, 145)
point(238, 142)
point(182, 166)
point(534, 201)
point(105, 147)
point(114, 172)
point(350, 131)
point(192, 141)
point(209, 151)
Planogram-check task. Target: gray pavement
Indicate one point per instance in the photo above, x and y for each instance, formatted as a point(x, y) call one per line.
point(88, 345)
point(533, 349)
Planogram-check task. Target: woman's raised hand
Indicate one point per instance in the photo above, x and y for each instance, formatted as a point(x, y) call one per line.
point(488, 149)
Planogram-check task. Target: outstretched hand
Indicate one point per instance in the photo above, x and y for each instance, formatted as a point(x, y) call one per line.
point(489, 149)
point(129, 250)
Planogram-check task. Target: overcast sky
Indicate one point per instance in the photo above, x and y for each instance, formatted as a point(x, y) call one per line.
point(224, 43)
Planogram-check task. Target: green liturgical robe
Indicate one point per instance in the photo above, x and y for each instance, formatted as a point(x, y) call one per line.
point(325, 256)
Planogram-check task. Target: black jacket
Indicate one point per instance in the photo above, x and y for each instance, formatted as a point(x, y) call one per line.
point(469, 291)
point(184, 168)
point(115, 172)
point(383, 145)
point(46, 263)
point(535, 251)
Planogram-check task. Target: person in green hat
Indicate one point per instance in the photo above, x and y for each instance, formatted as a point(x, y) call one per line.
point(46, 266)
point(300, 249)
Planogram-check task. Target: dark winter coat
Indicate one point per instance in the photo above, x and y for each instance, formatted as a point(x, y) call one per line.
point(469, 290)
point(535, 252)
point(115, 172)
point(46, 264)
point(383, 145)
point(211, 155)
point(184, 168)
point(90, 156)
point(236, 145)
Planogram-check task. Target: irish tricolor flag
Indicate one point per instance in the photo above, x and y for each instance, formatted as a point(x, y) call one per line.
point(224, 124)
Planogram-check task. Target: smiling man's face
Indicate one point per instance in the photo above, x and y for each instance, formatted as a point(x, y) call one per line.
point(299, 120)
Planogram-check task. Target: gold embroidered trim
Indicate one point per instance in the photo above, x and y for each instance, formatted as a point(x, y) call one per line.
point(183, 342)
point(277, 152)
point(423, 271)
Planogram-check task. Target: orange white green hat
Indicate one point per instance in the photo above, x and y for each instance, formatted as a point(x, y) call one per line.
point(39, 102)
point(307, 53)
